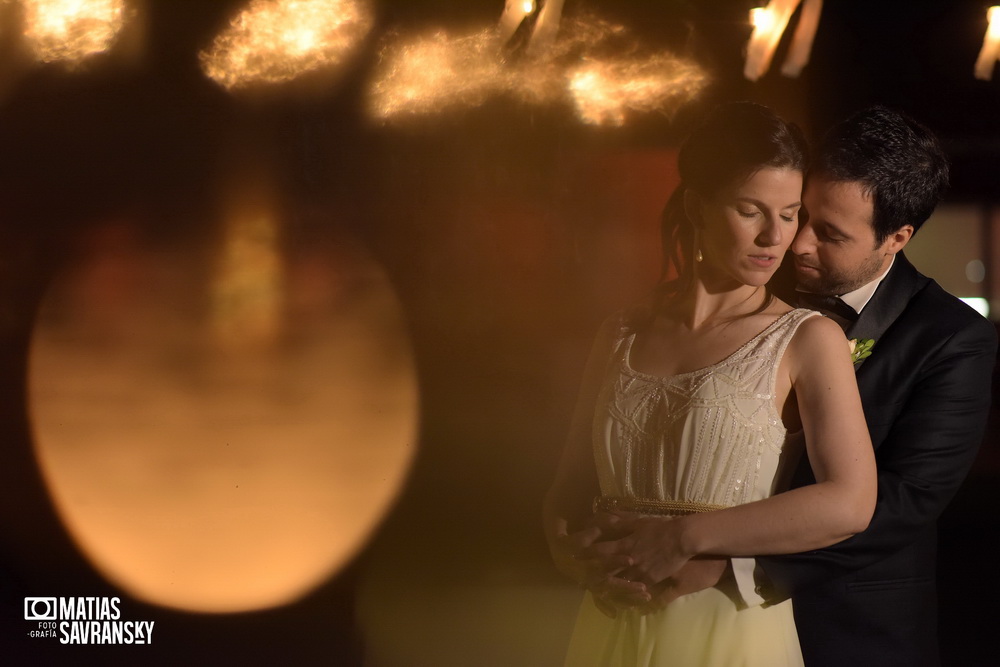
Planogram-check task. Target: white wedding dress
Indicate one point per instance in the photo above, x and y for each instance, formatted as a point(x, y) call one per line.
point(711, 436)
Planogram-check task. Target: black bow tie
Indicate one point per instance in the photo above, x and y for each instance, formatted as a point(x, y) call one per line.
point(830, 305)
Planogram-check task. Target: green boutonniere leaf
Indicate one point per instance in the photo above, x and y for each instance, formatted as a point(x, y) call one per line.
point(861, 348)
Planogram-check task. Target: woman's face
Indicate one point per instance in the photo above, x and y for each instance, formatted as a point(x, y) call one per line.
point(745, 229)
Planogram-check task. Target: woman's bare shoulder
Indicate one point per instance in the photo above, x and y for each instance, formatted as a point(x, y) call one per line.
point(816, 336)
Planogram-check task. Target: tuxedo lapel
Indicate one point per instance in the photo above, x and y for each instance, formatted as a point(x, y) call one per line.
point(888, 302)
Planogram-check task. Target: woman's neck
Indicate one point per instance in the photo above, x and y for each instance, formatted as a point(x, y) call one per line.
point(703, 305)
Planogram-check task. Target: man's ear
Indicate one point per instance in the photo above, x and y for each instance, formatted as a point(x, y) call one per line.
point(692, 207)
point(897, 240)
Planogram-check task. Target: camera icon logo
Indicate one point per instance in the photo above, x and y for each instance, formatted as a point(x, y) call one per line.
point(40, 609)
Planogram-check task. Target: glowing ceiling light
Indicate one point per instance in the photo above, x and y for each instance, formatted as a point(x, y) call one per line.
point(990, 52)
point(437, 71)
point(432, 73)
point(604, 91)
point(546, 28)
point(762, 19)
point(514, 13)
point(273, 41)
point(71, 30)
point(769, 25)
point(802, 41)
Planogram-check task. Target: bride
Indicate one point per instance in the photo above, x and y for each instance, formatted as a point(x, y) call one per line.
point(695, 407)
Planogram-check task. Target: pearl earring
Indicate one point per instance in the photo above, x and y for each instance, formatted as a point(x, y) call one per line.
point(698, 257)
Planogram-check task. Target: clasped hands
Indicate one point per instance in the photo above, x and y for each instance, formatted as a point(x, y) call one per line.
point(634, 561)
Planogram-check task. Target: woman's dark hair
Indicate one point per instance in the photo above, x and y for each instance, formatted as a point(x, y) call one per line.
point(730, 145)
point(733, 142)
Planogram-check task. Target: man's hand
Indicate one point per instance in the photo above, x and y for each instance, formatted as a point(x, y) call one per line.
point(651, 545)
point(620, 559)
point(570, 554)
point(611, 592)
point(696, 575)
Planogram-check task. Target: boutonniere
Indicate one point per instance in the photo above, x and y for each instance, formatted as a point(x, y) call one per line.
point(860, 348)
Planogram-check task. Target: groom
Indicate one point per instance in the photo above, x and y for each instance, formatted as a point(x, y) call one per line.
point(871, 599)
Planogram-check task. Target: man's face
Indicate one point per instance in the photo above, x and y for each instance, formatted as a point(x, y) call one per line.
point(834, 250)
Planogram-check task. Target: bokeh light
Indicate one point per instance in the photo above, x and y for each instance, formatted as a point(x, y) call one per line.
point(604, 91)
point(593, 66)
point(273, 41)
point(210, 476)
point(71, 30)
point(247, 286)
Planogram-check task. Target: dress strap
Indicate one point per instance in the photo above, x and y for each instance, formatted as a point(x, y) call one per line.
point(785, 333)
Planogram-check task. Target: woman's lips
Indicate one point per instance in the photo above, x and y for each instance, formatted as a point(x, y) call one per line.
point(765, 261)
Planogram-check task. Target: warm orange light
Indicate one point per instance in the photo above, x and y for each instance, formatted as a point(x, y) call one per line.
point(603, 92)
point(247, 289)
point(802, 41)
point(213, 479)
point(71, 30)
point(273, 41)
point(762, 19)
point(439, 71)
point(990, 52)
point(769, 25)
point(514, 13)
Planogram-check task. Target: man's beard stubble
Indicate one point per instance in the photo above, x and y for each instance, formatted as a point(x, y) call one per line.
point(843, 282)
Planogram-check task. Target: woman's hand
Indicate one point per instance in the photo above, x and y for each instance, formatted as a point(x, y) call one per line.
point(599, 576)
point(614, 594)
point(567, 550)
point(653, 544)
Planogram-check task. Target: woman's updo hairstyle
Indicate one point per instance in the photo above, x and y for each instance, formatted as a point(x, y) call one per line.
point(730, 145)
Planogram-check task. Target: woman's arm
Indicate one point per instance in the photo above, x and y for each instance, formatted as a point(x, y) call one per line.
point(927, 443)
point(567, 512)
point(839, 505)
point(568, 504)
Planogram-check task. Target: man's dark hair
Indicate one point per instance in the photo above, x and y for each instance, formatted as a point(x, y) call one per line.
point(899, 163)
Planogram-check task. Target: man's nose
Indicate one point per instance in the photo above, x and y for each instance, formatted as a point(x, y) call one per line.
point(805, 240)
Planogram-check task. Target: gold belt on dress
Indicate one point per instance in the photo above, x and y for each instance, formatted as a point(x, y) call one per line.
point(651, 506)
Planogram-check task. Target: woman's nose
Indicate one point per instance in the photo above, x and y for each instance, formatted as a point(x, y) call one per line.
point(771, 235)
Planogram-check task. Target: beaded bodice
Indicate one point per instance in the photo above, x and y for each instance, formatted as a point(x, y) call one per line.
point(711, 435)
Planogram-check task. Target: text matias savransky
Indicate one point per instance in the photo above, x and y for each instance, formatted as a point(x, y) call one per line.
point(85, 620)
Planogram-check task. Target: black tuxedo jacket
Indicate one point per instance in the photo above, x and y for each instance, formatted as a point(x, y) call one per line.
point(871, 600)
